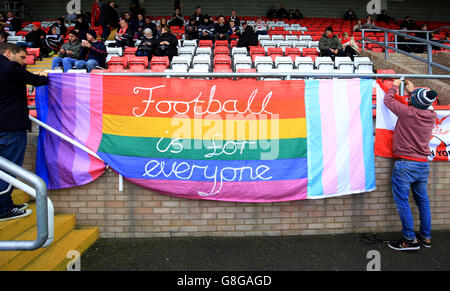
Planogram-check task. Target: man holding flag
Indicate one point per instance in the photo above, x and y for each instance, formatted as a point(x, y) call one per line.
point(410, 146)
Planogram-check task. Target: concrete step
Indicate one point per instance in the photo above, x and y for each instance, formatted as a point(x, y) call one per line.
point(55, 258)
point(16, 260)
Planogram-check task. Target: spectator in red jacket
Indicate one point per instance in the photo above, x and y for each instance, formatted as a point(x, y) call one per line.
point(95, 13)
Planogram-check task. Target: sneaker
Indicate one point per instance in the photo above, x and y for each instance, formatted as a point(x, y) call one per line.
point(15, 213)
point(404, 245)
point(423, 241)
point(22, 206)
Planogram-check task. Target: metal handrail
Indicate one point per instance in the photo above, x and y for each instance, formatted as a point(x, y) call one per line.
point(420, 41)
point(44, 206)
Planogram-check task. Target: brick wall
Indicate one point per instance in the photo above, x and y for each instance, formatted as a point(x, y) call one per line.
point(137, 212)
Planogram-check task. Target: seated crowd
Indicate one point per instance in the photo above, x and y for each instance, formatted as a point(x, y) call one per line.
point(85, 46)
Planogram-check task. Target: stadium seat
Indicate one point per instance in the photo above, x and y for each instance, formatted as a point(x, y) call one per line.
point(180, 64)
point(36, 52)
point(29, 60)
point(266, 44)
point(257, 51)
point(233, 43)
point(221, 50)
point(300, 44)
point(363, 64)
point(344, 65)
point(274, 52)
point(311, 52)
point(293, 52)
point(205, 43)
point(130, 51)
point(304, 64)
point(262, 37)
point(284, 63)
point(192, 43)
point(277, 37)
point(201, 63)
point(159, 64)
point(117, 64)
point(138, 64)
point(221, 43)
point(291, 38)
point(324, 64)
point(222, 63)
point(206, 50)
point(241, 61)
point(263, 64)
point(189, 50)
point(238, 51)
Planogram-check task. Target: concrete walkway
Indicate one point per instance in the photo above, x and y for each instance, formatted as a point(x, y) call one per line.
point(295, 253)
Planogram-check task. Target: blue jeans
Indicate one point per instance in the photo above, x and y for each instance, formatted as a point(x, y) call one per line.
point(414, 175)
point(67, 63)
point(89, 65)
point(12, 147)
point(25, 44)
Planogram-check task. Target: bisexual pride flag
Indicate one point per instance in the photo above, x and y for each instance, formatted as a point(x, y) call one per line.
point(245, 140)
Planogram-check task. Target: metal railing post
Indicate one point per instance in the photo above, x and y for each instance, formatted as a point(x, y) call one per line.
point(386, 50)
point(429, 58)
point(7, 170)
point(363, 37)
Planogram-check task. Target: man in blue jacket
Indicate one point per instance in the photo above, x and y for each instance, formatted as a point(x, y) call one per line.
point(14, 121)
point(93, 53)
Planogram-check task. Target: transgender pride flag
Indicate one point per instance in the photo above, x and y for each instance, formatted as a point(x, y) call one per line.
point(72, 104)
point(340, 137)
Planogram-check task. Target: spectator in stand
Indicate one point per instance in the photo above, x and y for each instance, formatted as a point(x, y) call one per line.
point(149, 24)
point(124, 37)
point(177, 19)
point(329, 44)
point(272, 13)
point(291, 14)
point(234, 18)
point(191, 30)
point(221, 29)
point(132, 23)
point(282, 13)
point(81, 26)
point(384, 17)
point(95, 13)
point(2, 19)
point(408, 23)
point(12, 23)
point(420, 49)
point(260, 27)
point(298, 15)
point(35, 37)
point(234, 30)
point(147, 46)
point(108, 19)
point(140, 22)
point(60, 24)
point(198, 16)
point(206, 29)
point(350, 15)
point(93, 53)
point(247, 36)
point(349, 45)
point(166, 45)
point(358, 25)
point(69, 53)
point(406, 47)
point(52, 42)
point(135, 9)
point(3, 37)
point(14, 122)
point(369, 20)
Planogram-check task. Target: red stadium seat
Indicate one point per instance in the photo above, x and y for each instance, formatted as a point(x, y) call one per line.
point(117, 64)
point(274, 52)
point(221, 43)
point(29, 59)
point(205, 43)
point(233, 43)
point(293, 52)
point(221, 50)
point(138, 64)
point(36, 52)
point(159, 64)
point(256, 51)
point(130, 51)
point(222, 62)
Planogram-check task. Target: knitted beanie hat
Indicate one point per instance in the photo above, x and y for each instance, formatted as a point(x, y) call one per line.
point(92, 33)
point(423, 98)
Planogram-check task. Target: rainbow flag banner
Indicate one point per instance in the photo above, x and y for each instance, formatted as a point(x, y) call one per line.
point(246, 140)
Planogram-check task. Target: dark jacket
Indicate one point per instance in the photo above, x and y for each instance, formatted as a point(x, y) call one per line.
point(126, 39)
point(97, 52)
point(221, 29)
point(13, 95)
point(108, 16)
point(152, 26)
point(209, 28)
point(147, 44)
point(15, 24)
point(247, 37)
point(35, 37)
point(326, 43)
point(167, 50)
